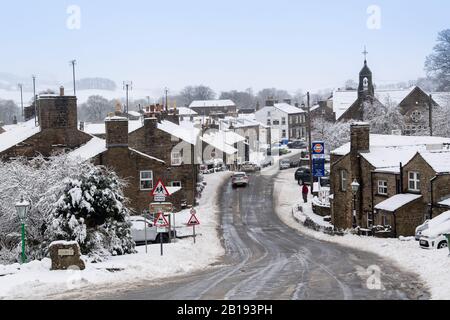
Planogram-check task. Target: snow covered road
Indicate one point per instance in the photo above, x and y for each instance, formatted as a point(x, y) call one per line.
point(266, 259)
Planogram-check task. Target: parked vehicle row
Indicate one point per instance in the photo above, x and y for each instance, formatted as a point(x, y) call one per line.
point(431, 234)
point(140, 234)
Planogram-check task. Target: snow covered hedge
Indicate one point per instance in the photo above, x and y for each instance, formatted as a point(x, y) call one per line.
point(69, 201)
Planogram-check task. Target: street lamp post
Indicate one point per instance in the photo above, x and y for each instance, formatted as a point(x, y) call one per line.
point(355, 188)
point(22, 211)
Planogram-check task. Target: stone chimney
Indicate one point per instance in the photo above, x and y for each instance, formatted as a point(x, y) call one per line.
point(359, 137)
point(57, 112)
point(116, 132)
point(14, 120)
point(270, 102)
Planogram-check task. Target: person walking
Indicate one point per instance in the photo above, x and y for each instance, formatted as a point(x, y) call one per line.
point(305, 191)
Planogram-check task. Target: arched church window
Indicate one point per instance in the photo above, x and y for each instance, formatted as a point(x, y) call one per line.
point(366, 83)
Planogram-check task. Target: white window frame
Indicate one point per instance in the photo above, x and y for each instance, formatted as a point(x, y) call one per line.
point(283, 121)
point(344, 180)
point(283, 133)
point(382, 187)
point(414, 179)
point(145, 179)
point(176, 159)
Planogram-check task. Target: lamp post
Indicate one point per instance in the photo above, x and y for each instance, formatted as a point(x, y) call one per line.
point(22, 211)
point(355, 188)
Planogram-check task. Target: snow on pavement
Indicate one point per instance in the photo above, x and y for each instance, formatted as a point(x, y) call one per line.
point(35, 280)
point(431, 265)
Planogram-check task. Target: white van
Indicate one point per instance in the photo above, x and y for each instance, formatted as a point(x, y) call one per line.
point(431, 223)
point(434, 237)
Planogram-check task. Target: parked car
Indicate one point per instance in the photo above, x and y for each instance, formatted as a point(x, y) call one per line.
point(431, 223)
point(249, 167)
point(303, 174)
point(278, 149)
point(239, 179)
point(267, 162)
point(297, 144)
point(138, 231)
point(295, 162)
point(434, 237)
point(285, 164)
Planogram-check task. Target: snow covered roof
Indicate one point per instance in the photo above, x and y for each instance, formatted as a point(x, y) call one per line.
point(342, 100)
point(439, 160)
point(396, 202)
point(146, 155)
point(99, 128)
point(379, 140)
point(173, 190)
point(15, 134)
point(387, 159)
point(116, 118)
point(395, 96)
point(445, 202)
point(92, 148)
point(212, 103)
point(218, 140)
point(387, 151)
point(287, 108)
point(181, 132)
point(183, 111)
point(134, 113)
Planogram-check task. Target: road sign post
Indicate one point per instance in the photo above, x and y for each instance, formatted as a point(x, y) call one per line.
point(145, 232)
point(193, 221)
point(161, 224)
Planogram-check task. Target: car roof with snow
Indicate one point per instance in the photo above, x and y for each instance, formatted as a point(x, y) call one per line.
point(437, 230)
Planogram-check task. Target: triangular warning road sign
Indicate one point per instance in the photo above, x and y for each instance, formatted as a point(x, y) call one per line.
point(193, 221)
point(161, 221)
point(160, 189)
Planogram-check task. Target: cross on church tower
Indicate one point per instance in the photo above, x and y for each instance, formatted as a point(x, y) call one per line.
point(365, 54)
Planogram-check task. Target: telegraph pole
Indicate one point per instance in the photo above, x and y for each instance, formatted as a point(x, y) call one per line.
point(127, 86)
point(73, 63)
point(310, 142)
point(34, 99)
point(167, 102)
point(20, 85)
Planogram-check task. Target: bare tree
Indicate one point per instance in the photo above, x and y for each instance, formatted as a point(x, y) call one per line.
point(192, 93)
point(8, 109)
point(96, 109)
point(244, 100)
point(437, 64)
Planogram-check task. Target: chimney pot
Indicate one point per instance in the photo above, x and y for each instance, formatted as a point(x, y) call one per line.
point(61, 91)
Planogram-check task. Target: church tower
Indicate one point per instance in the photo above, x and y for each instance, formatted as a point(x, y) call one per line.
point(365, 89)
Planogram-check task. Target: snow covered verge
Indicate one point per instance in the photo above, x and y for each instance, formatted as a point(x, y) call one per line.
point(35, 280)
point(431, 265)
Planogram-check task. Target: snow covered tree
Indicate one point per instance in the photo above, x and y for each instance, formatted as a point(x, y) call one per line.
point(91, 211)
point(441, 120)
point(383, 119)
point(438, 63)
point(43, 182)
point(333, 134)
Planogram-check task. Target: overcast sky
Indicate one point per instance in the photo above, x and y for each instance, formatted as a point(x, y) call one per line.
point(223, 44)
